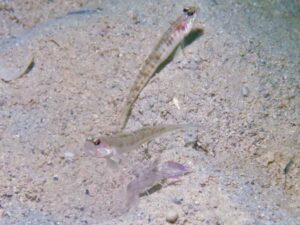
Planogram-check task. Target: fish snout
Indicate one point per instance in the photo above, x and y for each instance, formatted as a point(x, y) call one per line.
point(97, 149)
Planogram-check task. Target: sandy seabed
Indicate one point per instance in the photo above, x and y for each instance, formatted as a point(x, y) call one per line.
point(239, 81)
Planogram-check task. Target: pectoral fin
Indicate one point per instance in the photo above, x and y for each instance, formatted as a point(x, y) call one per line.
point(115, 160)
point(112, 164)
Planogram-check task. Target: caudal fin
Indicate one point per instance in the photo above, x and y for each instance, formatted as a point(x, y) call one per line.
point(124, 117)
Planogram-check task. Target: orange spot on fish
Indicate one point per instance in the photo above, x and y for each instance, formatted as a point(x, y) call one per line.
point(181, 26)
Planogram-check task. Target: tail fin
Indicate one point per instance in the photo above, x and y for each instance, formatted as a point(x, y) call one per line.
point(125, 115)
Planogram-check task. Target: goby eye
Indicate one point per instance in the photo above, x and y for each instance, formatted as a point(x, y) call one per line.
point(97, 142)
point(190, 13)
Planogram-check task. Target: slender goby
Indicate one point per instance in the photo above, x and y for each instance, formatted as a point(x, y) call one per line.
point(113, 147)
point(170, 40)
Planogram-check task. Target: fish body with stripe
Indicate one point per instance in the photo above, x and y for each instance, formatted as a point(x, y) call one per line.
point(170, 40)
point(113, 147)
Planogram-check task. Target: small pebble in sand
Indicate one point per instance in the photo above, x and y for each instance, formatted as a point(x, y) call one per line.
point(176, 103)
point(245, 91)
point(69, 156)
point(55, 177)
point(178, 200)
point(171, 216)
